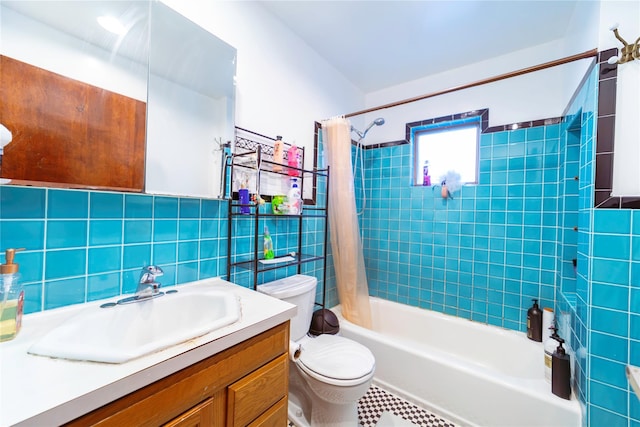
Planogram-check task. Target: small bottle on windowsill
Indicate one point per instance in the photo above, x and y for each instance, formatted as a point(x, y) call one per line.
point(426, 179)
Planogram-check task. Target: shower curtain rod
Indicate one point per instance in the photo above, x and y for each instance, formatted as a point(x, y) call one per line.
point(561, 61)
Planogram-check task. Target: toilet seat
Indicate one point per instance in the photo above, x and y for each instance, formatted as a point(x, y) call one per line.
point(336, 360)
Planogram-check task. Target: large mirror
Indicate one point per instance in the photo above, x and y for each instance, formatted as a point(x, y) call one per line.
point(191, 106)
point(98, 82)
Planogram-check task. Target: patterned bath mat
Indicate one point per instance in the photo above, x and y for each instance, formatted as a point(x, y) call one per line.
point(380, 408)
point(377, 401)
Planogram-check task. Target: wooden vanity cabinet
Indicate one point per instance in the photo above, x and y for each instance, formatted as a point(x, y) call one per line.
point(245, 385)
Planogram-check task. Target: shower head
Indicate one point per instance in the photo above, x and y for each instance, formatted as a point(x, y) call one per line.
point(377, 122)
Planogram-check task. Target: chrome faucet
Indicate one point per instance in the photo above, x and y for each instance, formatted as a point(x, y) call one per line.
point(147, 285)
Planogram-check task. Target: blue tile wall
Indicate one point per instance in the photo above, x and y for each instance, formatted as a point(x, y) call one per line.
point(482, 255)
point(87, 245)
point(614, 316)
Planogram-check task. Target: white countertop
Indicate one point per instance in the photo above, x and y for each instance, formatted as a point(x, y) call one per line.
point(39, 391)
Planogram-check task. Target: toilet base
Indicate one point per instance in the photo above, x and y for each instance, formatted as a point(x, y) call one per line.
point(296, 416)
point(306, 409)
point(341, 416)
point(331, 415)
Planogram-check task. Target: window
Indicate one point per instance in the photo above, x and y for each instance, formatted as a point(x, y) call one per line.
point(450, 148)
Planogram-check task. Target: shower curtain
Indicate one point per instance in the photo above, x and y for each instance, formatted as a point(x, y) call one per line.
point(346, 246)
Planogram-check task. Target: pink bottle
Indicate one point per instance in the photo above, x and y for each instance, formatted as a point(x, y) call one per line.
point(293, 159)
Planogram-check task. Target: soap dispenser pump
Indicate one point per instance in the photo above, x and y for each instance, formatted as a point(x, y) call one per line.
point(11, 297)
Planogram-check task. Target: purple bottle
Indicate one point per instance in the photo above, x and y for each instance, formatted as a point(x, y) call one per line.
point(243, 195)
point(426, 179)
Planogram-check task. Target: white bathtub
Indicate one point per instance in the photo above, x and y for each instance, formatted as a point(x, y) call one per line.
point(471, 373)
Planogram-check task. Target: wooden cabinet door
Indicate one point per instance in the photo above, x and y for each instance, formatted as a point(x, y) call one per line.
point(249, 397)
point(202, 415)
point(68, 132)
point(276, 416)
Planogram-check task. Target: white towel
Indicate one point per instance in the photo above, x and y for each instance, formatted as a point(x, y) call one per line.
point(387, 419)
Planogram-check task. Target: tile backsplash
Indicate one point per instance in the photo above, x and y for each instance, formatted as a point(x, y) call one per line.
point(86, 245)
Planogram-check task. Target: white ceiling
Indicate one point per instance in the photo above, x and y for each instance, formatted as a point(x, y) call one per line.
point(378, 44)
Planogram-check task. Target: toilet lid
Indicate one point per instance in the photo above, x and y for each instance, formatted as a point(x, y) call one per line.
point(336, 357)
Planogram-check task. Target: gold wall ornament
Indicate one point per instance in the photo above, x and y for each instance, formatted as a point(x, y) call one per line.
point(628, 53)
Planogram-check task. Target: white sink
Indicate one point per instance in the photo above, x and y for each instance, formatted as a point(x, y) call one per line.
point(123, 332)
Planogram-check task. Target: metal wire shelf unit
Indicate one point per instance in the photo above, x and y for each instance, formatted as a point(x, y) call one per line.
point(256, 156)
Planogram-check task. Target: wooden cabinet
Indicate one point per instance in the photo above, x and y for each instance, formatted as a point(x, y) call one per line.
point(69, 132)
point(245, 385)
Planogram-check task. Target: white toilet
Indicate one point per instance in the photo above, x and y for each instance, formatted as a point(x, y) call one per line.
point(331, 373)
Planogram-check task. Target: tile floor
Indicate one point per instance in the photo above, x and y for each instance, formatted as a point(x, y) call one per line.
point(377, 400)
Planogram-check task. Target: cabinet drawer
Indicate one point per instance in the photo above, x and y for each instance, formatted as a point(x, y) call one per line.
point(276, 416)
point(254, 394)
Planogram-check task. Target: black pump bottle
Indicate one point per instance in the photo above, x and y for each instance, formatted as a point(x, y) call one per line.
point(561, 372)
point(534, 322)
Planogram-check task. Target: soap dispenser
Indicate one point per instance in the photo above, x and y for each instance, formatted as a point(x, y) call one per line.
point(11, 297)
point(549, 348)
point(534, 322)
point(561, 372)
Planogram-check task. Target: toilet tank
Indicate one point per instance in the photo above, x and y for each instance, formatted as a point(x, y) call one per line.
point(299, 290)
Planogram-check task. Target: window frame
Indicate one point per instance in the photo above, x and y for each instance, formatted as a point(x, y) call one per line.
point(445, 126)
